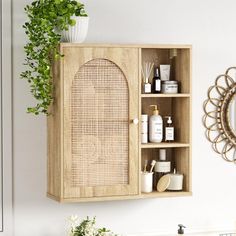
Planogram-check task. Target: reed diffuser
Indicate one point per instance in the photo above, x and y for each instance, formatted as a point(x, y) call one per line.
point(146, 72)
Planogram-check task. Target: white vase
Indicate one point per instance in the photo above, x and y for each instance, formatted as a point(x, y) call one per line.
point(78, 32)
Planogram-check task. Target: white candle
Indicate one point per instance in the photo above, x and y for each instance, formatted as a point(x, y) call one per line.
point(176, 182)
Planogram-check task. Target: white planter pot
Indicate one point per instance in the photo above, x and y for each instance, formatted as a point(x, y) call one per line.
point(77, 33)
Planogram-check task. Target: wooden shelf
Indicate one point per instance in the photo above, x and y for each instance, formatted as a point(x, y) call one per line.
point(164, 145)
point(155, 194)
point(161, 95)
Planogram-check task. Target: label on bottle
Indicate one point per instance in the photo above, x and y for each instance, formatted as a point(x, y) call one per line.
point(169, 134)
point(156, 133)
point(162, 166)
point(158, 85)
point(169, 88)
point(158, 130)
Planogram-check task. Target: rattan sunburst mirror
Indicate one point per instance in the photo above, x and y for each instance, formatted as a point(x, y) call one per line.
point(220, 115)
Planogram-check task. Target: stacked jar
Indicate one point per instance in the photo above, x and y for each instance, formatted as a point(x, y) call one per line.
point(162, 167)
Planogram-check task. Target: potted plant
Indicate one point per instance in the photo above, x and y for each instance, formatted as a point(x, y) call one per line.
point(49, 21)
point(87, 228)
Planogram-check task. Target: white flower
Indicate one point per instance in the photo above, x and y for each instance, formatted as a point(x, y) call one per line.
point(73, 218)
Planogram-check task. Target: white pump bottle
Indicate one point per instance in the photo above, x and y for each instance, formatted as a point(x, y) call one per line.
point(155, 126)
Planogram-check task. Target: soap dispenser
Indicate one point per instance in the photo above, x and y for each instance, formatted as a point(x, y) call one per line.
point(169, 130)
point(155, 126)
point(181, 229)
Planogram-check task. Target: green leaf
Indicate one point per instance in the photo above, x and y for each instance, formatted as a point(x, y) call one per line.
point(44, 16)
point(72, 22)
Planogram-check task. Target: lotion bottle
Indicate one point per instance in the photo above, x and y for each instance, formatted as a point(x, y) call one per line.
point(155, 126)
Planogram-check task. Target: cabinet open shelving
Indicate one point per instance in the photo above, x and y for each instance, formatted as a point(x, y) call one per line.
point(178, 106)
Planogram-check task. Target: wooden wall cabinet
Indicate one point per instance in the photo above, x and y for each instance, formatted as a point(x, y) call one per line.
point(94, 149)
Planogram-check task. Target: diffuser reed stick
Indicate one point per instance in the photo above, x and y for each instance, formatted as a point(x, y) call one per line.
point(146, 72)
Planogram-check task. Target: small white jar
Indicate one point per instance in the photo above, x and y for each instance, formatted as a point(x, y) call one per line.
point(169, 86)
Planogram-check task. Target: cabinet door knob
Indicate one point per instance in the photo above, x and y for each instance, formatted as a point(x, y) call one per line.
point(135, 121)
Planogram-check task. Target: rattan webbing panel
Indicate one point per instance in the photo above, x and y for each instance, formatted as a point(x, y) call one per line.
point(99, 125)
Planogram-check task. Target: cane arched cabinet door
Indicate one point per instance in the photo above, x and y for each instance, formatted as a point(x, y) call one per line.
point(100, 137)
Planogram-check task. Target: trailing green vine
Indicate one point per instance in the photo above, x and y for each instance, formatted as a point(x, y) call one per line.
point(46, 19)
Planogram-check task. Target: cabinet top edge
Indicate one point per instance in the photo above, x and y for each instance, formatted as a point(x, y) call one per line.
point(141, 46)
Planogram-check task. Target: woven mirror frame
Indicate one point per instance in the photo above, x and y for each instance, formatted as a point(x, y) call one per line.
point(219, 130)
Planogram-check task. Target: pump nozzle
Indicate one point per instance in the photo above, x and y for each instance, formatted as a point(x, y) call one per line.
point(169, 120)
point(181, 230)
point(155, 111)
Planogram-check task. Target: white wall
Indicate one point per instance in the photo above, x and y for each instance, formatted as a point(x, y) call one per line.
point(210, 27)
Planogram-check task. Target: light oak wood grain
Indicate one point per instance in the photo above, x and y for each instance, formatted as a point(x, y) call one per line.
point(129, 58)
point(60, 186)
